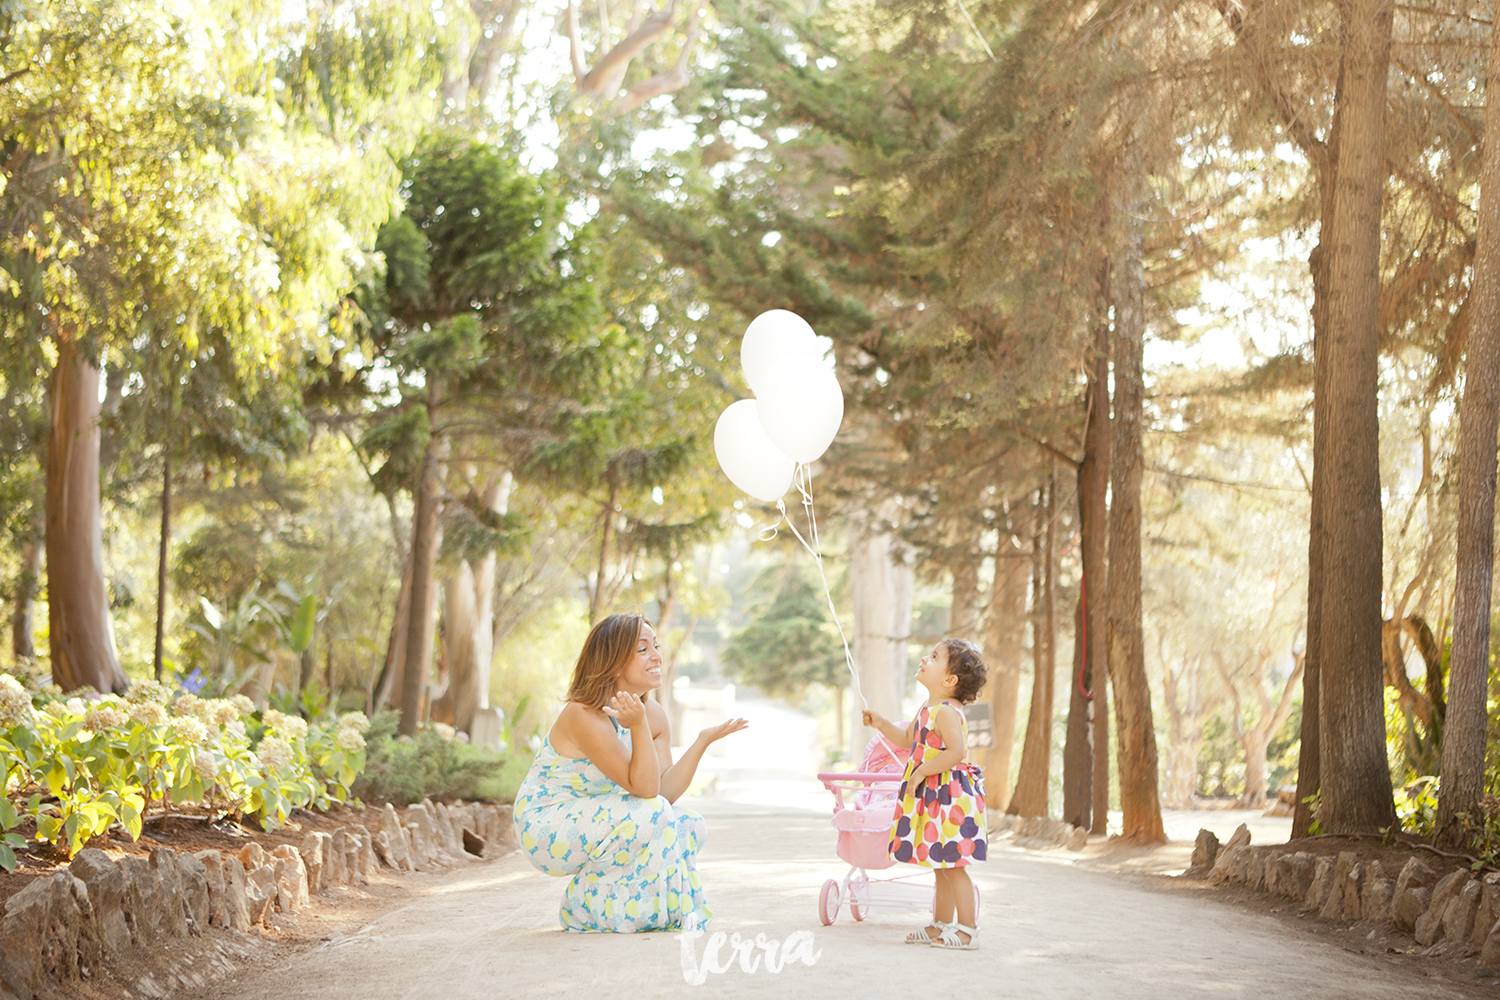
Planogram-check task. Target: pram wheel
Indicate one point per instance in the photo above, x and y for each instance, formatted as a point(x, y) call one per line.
point(828, 902)
point(859, 886)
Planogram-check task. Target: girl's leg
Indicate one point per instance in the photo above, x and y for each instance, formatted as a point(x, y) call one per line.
point(961, 889)
point(942, 903)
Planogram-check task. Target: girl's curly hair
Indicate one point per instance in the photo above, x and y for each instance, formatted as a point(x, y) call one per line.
point(967, 666)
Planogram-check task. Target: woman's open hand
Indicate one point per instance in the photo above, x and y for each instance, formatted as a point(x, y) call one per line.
point(626, 707)
point(871, 719)
point(722, 730)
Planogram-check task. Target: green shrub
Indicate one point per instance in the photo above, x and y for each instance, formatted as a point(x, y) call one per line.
point(407, 769)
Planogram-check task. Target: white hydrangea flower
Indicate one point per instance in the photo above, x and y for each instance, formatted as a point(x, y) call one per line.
point(190, 730)
point(75, 706)
point(243, 703)
point(275, 753)
point(444, 730)
point(149, 713)
point(355, 721)
point(235, 728)
point(149, 690)
point(222, 712)
point(190, 705)
point(15, 703)
point(291, 727)
point(349, 739)
point(204, 765)
point(104, 716)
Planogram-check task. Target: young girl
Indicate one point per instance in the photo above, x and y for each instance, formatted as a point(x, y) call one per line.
point(941, 822)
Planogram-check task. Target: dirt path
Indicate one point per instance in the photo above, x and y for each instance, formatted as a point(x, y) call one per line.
point(1052, 926)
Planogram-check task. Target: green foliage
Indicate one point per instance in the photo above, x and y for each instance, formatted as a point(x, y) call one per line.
point(78, 767)
point(790, 644)
point(404, 770)
point(1416, 805)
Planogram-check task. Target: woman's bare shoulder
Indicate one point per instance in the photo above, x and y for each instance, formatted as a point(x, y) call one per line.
point(578, 724)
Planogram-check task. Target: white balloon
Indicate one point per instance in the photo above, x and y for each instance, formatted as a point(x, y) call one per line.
point(747, 456)
point(801, 407)
point(772, 336)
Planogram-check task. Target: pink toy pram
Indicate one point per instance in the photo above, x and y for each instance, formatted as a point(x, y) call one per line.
point(864, 807)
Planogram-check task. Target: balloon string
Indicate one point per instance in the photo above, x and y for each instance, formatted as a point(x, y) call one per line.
point(802, 479)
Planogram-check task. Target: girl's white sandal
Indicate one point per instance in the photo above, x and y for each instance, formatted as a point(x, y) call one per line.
point(920, 935)
point(949, 937)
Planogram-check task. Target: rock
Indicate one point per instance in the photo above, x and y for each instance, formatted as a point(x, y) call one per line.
point(1294, 874)
point(291, 879)
point(313, 850)
point(1429, 925)
point(260, 894)
point(1375, 899)
point(1322, 884)
point(252, 856)
point(333, 861)
point(1342, 902)
point(366, 856)
point(1489, 952)
point(174, 914)
point(1485, 913)
point(213, 872)
point(1408, 906)
point(1458, 919)
point(395, 840)
point(1205, 849)
point(195, 893)
point(1255, 868)
point(50, 933)
point(143, 883)
point(1077, 840)
point(475, 845)
point(236, 903)
point(108, 897)
point(1240, 838)
point(1415, 873)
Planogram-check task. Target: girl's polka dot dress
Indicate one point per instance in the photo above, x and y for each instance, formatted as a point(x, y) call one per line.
point(941, 823)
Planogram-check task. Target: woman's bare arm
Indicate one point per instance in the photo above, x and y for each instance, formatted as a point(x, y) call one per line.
point(592, 735)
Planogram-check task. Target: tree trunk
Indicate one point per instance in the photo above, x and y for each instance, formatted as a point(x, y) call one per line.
point(391, 672)
point(424, 545)
point(1093, 517)
point(1030, 798)
point(163, 548)
point(963, 611)
point(1139, 801)
point(82, 637)
point(28, 584)
point(1479, 421)
point(881, 580)
point(469, 614)
point(1356, 789)
point(606, 535)
point(1004, 636)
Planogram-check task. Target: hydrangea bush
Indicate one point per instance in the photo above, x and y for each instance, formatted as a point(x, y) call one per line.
point(76, 766)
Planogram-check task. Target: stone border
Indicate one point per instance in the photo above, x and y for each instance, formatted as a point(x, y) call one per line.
point(1040, 832)
point(1457, 915)
point(102, 915)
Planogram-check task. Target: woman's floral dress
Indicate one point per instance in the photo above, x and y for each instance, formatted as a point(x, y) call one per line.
point(631, 860)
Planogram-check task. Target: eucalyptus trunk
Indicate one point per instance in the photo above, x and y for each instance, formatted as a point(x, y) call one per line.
point(28, 585)
point(469, 618)
point(1004, 639)
point(1030, 798)
point(1093, 514)
point(424, 546)
point(1140, 802)
point(1464, 725)
point(81, 632)
point(1355, 778)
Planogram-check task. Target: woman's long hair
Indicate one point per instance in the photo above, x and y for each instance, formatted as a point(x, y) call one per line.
point(610, 645)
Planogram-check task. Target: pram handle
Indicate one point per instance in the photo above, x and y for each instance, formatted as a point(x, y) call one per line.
point(865, 777)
